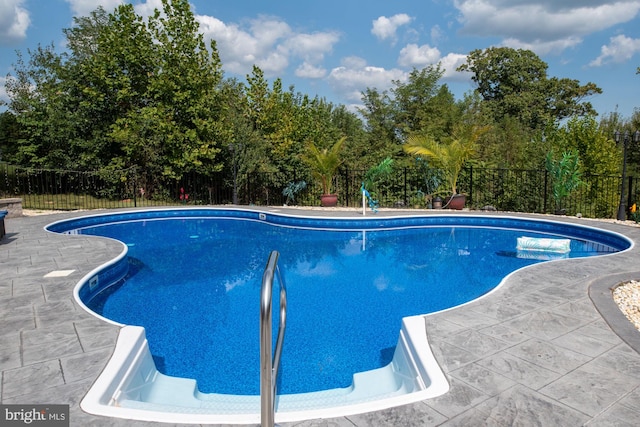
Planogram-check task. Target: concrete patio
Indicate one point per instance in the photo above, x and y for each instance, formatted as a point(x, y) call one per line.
point(548, 348)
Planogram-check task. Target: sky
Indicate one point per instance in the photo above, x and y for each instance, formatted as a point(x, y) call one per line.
point(336, 49)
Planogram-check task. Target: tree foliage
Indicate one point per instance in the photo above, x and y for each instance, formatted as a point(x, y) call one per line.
point(514, 83)
point(129, 91)
point(419, 105)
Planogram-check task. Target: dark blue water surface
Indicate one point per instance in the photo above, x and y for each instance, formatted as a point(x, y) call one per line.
point(194, 284)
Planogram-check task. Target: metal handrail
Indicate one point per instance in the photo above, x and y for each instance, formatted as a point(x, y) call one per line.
point(268, 367)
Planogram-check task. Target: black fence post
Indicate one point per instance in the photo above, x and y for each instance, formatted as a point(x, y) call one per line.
point(135, 188)
point(630, 193)
point(470, 185)
point(346, 185)
point(544, 195)
point(406, 200)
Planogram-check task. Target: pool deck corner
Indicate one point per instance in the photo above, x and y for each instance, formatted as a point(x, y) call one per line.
point(547, 348)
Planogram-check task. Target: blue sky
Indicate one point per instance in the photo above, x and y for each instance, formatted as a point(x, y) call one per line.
point(336, 49)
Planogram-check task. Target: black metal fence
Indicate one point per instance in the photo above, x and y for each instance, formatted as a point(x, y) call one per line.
point(505, 189)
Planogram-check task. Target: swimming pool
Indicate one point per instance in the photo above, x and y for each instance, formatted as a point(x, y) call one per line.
point(367, 241)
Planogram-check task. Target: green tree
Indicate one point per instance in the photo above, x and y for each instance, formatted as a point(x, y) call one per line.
point(514, 83)
point(423, 105)
point(380, 124)
point(597, 150)
point(614, 122)
point(10, 134)
point(185, 85)
point(419, 105)
point(127, 92)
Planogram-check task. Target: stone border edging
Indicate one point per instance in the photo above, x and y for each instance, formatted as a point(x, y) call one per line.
point(601, 294)
point(13, 206)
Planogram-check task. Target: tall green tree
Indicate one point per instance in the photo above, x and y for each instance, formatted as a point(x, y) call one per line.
point(184, 89)
point(614, 122)
point(380, 124)
point(514, 83)
point(10, 135)
point(421, 104)
point(126, 92)
point(597, 150)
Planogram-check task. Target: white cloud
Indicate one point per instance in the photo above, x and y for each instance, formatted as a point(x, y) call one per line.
point(269, 43)
point(437, 34)
point(312, 47)
point(241, 49)
point(450, 63)
point(148, 8)
point(542, 26)
point(385, 28)
point(543, 47)
point(14, 21)
point(84, 7)
point(620, 49)
point(310, 71)
point(413, 55)
point(354, 76)
point(3, 90)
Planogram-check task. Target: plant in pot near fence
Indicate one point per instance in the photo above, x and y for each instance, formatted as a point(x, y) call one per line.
point(324, 164)
point(565, 177)
point(449, 156)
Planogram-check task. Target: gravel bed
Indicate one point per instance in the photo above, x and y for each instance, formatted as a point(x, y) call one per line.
point(627, 296)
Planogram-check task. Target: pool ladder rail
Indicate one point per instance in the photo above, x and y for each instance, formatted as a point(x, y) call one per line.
point(269, 367)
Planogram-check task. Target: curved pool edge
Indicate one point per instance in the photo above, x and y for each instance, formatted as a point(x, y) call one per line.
point(276, 217)
point(132, 412)
point(600, 293)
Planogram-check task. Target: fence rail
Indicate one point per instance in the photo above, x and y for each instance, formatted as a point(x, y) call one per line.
point(505, 189)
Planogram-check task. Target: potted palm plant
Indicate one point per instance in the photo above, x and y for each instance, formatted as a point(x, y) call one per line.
point(324, 163)
point(449, 156)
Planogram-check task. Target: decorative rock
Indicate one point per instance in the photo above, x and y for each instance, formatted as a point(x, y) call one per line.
point(627, 296)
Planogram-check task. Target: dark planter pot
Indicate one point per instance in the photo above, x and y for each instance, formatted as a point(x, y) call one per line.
point(437, 202)
point(457, 201)
point(329, 200)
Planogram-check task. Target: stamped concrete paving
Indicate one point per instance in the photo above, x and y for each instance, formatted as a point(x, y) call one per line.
point(541, 350)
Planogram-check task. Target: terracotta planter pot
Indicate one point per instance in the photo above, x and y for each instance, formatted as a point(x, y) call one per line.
point(457, 201)
point(328, 200)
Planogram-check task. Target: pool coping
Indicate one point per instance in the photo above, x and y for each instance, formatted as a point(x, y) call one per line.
point(26, 256)
point(600, 293)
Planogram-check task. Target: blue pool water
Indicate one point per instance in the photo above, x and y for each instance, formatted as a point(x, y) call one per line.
point(194, 284)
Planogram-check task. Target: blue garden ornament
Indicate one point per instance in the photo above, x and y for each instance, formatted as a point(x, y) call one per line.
point(373, 204)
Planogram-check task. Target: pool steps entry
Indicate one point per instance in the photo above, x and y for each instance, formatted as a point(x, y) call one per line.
point(268, 368)
point(131, 387)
